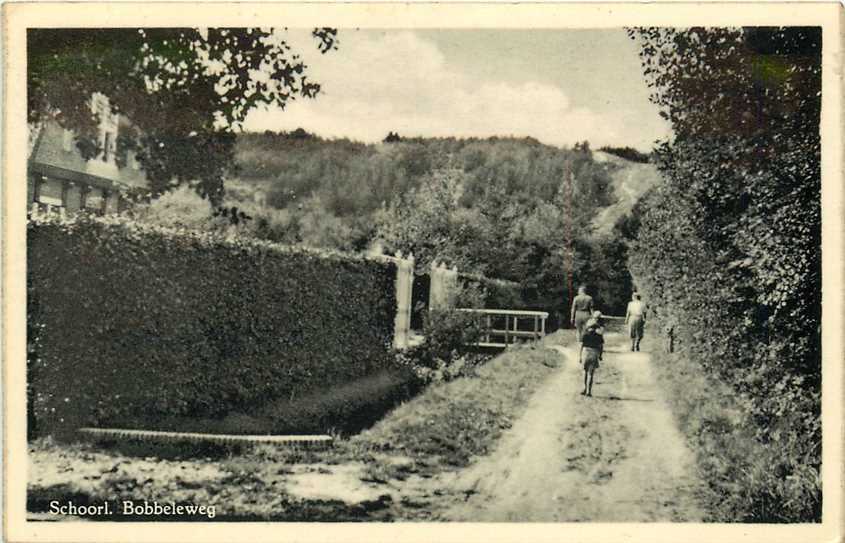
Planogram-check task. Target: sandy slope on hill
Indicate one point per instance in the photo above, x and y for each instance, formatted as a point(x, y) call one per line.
point(630, 181)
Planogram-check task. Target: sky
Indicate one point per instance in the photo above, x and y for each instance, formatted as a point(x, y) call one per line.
point(558, 86)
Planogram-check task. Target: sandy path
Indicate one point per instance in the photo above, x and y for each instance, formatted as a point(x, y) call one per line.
point(617, 456)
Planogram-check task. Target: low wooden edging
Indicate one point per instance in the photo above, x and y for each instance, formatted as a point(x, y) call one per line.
point(303, 441)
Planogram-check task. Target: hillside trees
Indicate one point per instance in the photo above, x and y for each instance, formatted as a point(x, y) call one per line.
point(628, 153)
point(502, 207)
point(729, 249)
point(184, 89)
point(506, 214)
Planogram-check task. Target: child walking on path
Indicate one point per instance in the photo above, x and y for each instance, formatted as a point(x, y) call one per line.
point(592, 348)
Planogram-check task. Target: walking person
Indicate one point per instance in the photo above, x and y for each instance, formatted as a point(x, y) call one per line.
point(582, 308)
point(592, 349)
point(635, 319)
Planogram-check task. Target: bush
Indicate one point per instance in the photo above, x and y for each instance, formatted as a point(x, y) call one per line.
point(489, 294)
point(181, 207)
point(497, 294)
point(448, 351)
point(628, 153)
point(133, 323)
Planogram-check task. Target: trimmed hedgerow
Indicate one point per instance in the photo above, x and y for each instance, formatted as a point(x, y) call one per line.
point(728, 254)
point(131, 324)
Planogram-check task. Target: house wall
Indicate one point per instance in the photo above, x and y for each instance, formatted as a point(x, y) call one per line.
point(30, 189)
point(55, 158)
point(73, 197)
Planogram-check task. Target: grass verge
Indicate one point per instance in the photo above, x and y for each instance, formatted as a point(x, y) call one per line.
point(452, 422)
point(747, 480)
point(345, 408)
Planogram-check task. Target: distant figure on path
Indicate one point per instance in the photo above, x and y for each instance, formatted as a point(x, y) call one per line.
point(592, 348)
point(635, 319)
point(582, 308)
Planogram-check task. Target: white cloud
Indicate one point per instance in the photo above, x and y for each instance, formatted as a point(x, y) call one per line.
point(398, 81)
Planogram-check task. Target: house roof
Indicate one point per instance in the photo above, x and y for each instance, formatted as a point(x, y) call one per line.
point(50, 158)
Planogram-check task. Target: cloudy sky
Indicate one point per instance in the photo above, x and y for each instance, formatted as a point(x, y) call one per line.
point(559, 86)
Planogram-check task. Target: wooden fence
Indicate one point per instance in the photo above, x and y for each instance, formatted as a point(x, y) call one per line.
point(503, 327)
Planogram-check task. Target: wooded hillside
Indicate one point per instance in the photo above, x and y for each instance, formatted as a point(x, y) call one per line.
point(503, 207)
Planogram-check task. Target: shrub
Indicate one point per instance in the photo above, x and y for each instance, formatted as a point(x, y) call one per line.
point(181, 207)
point(136, 322)
point(497, 293)
point(490, 294)
point(448, 351)
point(747, 480)
point(628, 153)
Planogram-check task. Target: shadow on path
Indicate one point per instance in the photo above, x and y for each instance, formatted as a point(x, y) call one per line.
point(621, 399)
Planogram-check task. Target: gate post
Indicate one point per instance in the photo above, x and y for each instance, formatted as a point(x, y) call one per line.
point(404, 286)
point(434, 287)
point(444, 283)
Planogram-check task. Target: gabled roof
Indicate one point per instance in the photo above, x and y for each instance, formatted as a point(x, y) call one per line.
point(50, 158)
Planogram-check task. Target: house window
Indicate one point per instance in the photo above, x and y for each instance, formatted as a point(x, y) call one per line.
point(51, 192)
point(94, 200)
point(107, 147)
point(108, 126)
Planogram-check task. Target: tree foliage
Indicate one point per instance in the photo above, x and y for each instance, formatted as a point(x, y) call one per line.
point(628, 153)
point(728, 249)
point(186, 90)
point(505, 208)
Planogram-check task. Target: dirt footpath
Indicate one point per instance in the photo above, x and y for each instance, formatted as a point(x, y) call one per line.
point(614, 457)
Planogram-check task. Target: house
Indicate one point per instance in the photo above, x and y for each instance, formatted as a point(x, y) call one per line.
point(59, 177)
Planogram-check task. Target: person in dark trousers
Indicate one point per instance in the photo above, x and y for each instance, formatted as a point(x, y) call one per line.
point(592, 349)
point(582, 308)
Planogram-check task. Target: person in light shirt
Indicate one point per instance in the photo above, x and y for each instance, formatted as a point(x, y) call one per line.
point(635, 319)
point(582, 309)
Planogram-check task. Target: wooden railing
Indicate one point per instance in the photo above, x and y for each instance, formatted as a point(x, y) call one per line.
point(503, 327)
point(612, 323)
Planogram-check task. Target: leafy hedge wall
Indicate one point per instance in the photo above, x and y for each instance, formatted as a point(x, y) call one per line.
point(728, 249)
point(130, 324)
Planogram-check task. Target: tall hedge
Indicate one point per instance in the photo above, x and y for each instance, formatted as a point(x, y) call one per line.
point(130, 323)
point(728, 250)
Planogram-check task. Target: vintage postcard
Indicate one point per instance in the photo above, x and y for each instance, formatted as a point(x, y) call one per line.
point(422, 272)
